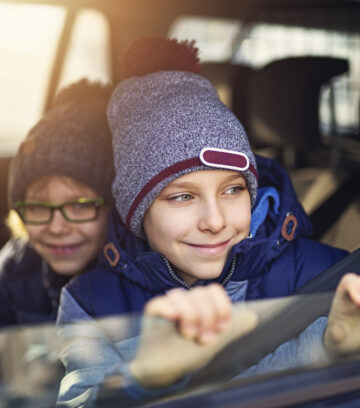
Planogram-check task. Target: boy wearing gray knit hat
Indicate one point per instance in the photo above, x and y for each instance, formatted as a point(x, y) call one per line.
point(167, 124)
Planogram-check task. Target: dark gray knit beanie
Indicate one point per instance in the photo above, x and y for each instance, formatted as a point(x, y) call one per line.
point(72, 139)
point(166, 124)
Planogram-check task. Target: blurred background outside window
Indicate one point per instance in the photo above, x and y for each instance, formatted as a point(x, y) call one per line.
point(256, 45)
point(29, 35)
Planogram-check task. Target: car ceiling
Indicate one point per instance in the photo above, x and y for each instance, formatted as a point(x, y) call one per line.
point(341, 15)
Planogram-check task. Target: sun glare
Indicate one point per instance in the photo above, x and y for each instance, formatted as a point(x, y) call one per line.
point(28, 38)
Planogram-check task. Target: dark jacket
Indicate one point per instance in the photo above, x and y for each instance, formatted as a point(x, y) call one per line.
point(276, 261)
point(29, 289)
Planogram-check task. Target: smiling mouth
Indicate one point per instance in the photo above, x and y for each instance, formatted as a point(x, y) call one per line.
point(213, 249)
point(62, 250)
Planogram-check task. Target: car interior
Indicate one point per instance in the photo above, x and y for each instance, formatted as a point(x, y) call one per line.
point(289, 70)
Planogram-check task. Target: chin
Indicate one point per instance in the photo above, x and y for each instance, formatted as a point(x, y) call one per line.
point(206, 274)
point(67, 271)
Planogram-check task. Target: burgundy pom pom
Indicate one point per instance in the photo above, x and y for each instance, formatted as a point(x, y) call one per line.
point(154, 53)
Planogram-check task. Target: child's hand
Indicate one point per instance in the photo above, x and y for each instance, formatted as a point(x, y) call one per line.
point(342, 334)
point(204, 325)
point(200, 313)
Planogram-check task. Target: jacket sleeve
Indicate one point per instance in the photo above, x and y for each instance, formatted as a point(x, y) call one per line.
point(91, 354)
point(87, 354)
point(313, 258)
point(304, 350)
point(6, 270)
point(301, 262)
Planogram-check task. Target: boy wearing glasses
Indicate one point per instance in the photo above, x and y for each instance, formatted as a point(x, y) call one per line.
point(59, 194)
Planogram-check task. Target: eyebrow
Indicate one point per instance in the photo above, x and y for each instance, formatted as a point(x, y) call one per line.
point(188, 184)
point(235, 177)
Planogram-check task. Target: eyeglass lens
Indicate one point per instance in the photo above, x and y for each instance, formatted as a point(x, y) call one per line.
point(71, 211)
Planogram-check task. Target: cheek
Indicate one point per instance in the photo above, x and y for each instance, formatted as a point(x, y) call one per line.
point(174, 225)
point(159, 230)
point(153, 231)
point(98, 228)
point(95, 231)
point(240, 216)
point(244, 220)
point(34, 232)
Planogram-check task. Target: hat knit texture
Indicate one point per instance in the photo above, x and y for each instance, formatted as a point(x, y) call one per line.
point(160, 122)
point(72, 139)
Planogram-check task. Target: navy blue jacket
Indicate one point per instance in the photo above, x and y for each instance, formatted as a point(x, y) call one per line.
point(278, 260)
point(29, 289)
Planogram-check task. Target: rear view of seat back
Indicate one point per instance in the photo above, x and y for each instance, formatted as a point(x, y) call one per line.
point(283, 108)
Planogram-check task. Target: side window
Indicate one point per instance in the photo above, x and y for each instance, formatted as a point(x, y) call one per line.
point(214, 37)
point(88, 54)
point(258, 44)
point(339, 101)
point(29, 39)
point(29, 35)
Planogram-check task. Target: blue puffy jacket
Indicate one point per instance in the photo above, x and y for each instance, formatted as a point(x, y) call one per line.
point(277, 260)
point(29, 288)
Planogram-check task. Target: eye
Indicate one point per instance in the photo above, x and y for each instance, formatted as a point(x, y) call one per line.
point(82, 206)
point(181, 198)
point(234, 190)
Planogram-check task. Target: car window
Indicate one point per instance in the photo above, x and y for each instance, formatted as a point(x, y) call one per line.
point(213, 36)
point(258, 44)
point(29, 39)
point(88, 53)
point(31, 370)
point(264, 43)
point(29, 35)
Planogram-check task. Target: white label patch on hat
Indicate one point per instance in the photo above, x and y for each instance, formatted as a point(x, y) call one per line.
point(224, 159)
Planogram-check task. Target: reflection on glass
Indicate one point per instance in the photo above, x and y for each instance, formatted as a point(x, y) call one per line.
point(31, 371)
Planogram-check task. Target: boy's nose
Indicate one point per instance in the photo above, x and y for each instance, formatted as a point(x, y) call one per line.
point(58, 225)
point(212, 218)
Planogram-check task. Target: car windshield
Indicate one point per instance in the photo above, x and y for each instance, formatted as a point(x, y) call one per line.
point(31, 370)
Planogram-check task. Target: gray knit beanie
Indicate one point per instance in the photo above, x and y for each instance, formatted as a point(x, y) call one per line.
point(166, 124)
point(72, 139)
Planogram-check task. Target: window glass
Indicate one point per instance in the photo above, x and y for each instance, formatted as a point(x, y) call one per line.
point(31, 370)
point(265, 43)
point(259, 44)
point(28, 38)
point(89, 50)
point(213, 36)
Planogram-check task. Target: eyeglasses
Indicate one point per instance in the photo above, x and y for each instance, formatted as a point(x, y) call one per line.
point(79, 210)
